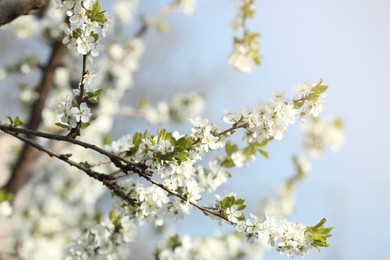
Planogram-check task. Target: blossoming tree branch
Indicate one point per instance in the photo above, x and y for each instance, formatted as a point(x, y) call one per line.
point(154, 177)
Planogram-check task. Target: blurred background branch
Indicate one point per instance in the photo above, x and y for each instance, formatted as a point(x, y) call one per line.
point(12, 9)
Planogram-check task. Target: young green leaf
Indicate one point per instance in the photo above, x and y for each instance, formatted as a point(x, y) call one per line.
point(64, 126)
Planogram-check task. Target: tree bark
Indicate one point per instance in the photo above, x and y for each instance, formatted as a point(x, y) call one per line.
point(22, 167)
point(12, 9)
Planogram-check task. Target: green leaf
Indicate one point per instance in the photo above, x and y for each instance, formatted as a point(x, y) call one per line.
point(249, 151)
point(95, 36)
point(95, 8)
point(106, 139)
point(263, 143)
point(227, 202)
point(5, 196)
point(181, 156)
point(74, 103)
point(164, 135)
point(319, 89)
point(241, 207)
point(241, 218)
point(93, 97)
point(100, 18)
point(93, 100)
point(64, 126)
point(311, 97)
point(256, 59)
point(263, 153)
point(26, 213)
point(184, 142)
point(85, 125)
point(137, 137)
point(298, 104)
point(115, 219)
point(174, 242)
point(98, 217)
point(18, 122)
point(11, 121)
point(228, 163)
point(239, 201)
point(338, 123)
point(319, 234)
point(230, 148)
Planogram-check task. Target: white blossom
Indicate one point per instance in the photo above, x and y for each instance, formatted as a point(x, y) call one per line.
point(186, 6)
point(322, 134)
point(5, 209)
point(240, 58)
point(288, 238)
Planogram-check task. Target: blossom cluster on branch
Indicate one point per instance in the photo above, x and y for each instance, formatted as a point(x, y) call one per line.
point(153, 177)
point(245, 53)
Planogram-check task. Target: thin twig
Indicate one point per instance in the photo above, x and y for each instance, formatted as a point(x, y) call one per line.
point(158, 17)
point(104, 178)
point(204, 209)
point(63, 138)
point(62, 157)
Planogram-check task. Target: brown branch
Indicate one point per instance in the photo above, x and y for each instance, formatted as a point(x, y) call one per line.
point(12, 9)
point(205, 210)
point(77, 130)
point(117, 160)
point(21, 169)
point(109, 180)
point(106, 180)
point(158, 17)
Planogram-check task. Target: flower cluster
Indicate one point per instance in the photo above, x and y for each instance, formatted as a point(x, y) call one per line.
point(166, 161)
point(5, 209)
point(185, 6)
point(24, 27)
point(85, 17)
point(121, 64)
point(152, 199)
point(240, 159)
point(269, 120)
point(213, 177)
point(121, 10)
point(72, 114)
point(44, 230)
point(289, 238)
point(245, 53)
point(229, 246)
point(181, 107)
point(320, 134)
point(206, 134)
point(122, 145)
point(284, 203)
point(312, 96)
point(107, 239)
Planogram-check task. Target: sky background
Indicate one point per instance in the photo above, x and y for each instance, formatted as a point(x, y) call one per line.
point(344, 42)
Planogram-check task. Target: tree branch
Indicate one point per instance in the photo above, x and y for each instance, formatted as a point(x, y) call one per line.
point(106, 180)
point(109, 180)
point(12, 9)
point(117, 160)
point(21, 169)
